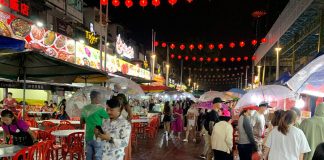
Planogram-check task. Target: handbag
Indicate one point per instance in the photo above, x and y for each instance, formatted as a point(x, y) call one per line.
point(256, 156)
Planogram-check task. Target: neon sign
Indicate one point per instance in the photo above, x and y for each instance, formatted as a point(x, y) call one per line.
point(123, 49)
point(91, 37)
point(17, 6)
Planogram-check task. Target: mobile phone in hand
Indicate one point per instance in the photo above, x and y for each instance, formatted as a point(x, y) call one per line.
point(100, 129)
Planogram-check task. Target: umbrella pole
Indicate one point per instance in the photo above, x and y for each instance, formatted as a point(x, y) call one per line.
point(24, 94)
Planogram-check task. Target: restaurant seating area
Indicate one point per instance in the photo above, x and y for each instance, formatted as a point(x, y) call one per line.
point(57, 139)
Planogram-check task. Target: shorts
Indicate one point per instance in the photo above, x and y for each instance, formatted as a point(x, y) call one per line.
point(191, 123)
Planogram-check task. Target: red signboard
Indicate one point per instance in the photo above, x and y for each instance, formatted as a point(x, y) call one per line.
point(17, 6)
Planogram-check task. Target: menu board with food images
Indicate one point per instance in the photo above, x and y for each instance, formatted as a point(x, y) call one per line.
point(47, 41)
point(87, 56)
point(115, 64)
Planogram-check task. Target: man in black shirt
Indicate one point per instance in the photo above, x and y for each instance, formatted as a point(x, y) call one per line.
point(212, 117)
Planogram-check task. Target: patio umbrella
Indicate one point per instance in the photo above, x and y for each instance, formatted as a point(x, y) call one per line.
point(268, 93)
point(81, 98)
point(210, 95)
point(36, 66)
point(310, 79)
point(126, 86)
point(235, 92)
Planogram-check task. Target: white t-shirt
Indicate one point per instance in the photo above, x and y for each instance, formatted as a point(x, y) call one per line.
point(258, 123)
point(192, 113)
point(287, 147)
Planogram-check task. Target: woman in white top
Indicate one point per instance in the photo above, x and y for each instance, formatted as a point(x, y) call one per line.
point(286, 142)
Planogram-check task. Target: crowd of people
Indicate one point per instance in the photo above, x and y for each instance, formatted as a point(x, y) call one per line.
point(282, 135)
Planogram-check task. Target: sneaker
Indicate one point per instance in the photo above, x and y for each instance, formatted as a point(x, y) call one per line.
point(202, 156)
point(185, 140)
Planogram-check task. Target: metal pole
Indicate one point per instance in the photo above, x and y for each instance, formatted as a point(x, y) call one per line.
point(252, 74)
point(263, 72)
point(241, 87)
point(277, 64)
point(246, 76)
point(181, 72)
point(106, 36)
point(167, 75)
point(100, 45)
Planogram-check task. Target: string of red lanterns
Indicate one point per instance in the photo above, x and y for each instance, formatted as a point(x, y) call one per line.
point(216, 59)
point(211, 46)
point(142, 3)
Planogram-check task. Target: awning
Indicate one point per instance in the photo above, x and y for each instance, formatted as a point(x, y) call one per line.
point(11, 45)
point(133, 78)
point(40, 67)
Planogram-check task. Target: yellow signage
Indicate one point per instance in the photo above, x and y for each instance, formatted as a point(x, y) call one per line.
point(90, 36)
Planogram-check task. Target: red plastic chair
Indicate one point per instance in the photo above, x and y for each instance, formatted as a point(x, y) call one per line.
point(21, 155)
point(74, 145)
point(65, 122)
point(48, 125)
point(54, 148)
point(31, 123)
point(40, 150)
point(65, 127)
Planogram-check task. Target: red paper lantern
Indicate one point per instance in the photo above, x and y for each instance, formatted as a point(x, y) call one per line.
point(172, 46)
point(254, 42)
point(216, 59)
point(263, 40)
point(194, 58)
point(156, 3)
point(182, 46)
point(104, 2)
point(128, 3)
point(172, 55)
point(246, 58)
point(238, 59)
point(224, 59)
point(253, 58)
point(232, 45)
point(115, 3)
point(143, 3)
point(179, 56)
point(189, 1)
point(201, 59)
point(200, 46)
point(172, 2)
point(232, 59)
point(242, 44)
point(211, 46)
point(186, 58)
point(220, 46)
point(191, 46)
point(156, 43)
point(164, 45)
point(208, 59)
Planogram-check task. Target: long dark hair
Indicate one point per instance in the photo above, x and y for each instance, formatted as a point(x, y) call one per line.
point(319, 152)
point(288, 118)
point(276, 117)
point(167, 108)
point(9, 114)
point(243, 112)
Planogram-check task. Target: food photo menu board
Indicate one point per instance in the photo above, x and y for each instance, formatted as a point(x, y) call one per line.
point(87, 56)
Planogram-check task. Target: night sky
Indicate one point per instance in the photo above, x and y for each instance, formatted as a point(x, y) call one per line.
point(202, 21)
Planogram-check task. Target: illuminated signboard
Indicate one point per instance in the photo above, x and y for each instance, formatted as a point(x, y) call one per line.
point(123, 49)
point(17, 6)
point(90, 36)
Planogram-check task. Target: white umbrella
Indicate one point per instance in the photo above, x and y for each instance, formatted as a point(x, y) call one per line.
point(126, 86)
point(268, 93)
point(81, 98)
point(210, 95)
point(310, 79)
point(190, 96)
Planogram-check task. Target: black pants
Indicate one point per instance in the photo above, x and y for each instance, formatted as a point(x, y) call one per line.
point(220, 155)
point(245, 151)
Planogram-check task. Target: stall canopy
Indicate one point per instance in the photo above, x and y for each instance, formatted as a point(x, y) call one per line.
point(38, 66)
point(10, 44)
point(153, 89)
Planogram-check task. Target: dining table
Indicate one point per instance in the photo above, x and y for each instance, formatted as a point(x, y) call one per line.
point(31, 128)
point(66, 133)
point(7, 150)
point(56, 121)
